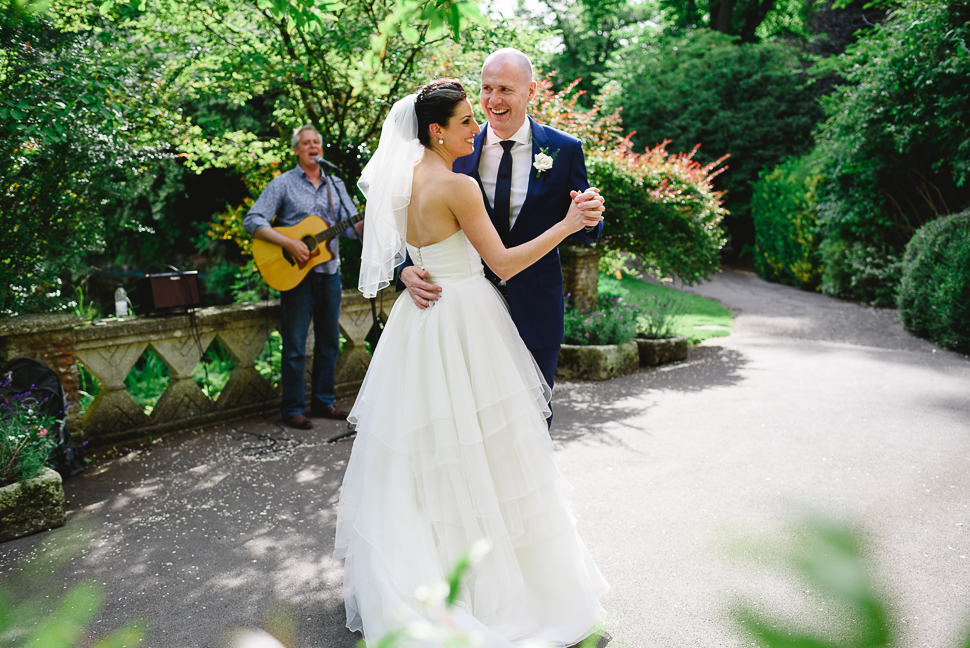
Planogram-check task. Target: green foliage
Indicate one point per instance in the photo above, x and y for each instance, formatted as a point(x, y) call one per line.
point(611, 321)
point(894, 149)
point(32, 613)
point(747, 20)
point(83, 306)
point(214, 371)
point(868, 274)
point(785, 214)
point(69, 142)
point(270, 359)
point(690, 311)
point(147, 380)
point(26, 443)
point(657, 318)
point(934, 294)
point(829, 559)
point(662, 208)
point(105, 107)
point(591, 32)
point(749, 100)
point(88, 388)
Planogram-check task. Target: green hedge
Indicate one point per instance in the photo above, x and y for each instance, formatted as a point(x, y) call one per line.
point(934, 295)
point(860, 272)
point(893, 150)
point(785, 213)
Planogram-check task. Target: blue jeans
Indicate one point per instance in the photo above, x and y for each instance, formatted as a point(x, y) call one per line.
point(317, 298)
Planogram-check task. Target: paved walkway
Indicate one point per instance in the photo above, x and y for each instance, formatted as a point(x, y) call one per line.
point(810, 401)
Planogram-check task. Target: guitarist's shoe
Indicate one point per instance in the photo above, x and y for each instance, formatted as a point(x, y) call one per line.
point(332, 412)
point(298, 421)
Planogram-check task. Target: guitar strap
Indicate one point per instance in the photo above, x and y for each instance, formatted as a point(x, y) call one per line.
point(333, 216)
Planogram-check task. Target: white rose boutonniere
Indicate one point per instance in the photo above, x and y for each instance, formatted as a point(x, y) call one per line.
point(543, 160)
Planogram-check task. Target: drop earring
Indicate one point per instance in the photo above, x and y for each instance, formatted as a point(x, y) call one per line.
point(441, 141)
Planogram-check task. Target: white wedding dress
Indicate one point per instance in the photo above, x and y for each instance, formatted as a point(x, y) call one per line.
point(452, 447)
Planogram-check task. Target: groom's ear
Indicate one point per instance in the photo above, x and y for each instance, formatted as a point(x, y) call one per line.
point(533, 90)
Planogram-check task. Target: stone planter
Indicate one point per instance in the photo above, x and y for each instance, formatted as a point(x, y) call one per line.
point(30, 506)
point(662, 351)
point(597, 362)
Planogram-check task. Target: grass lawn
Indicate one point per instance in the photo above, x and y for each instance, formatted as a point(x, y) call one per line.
point(692, 311)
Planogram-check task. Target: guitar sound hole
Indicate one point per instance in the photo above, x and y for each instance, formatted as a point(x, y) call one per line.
point(310, 242)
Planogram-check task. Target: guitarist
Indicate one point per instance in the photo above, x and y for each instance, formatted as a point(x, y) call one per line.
point(286, 200)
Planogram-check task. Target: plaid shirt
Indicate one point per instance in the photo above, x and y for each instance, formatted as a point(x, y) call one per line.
point(290, 197)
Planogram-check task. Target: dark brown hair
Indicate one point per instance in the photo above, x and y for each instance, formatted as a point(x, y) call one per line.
point(435, 104)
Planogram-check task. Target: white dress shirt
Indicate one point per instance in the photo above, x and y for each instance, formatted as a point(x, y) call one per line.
point(521, 166)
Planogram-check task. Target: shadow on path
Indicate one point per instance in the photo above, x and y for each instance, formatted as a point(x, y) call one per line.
point(584, 411)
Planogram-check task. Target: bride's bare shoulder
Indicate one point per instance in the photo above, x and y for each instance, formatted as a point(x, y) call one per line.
point(463, 183)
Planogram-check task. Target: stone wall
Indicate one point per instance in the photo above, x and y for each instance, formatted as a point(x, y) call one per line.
point(109, 351)
point(48, 338)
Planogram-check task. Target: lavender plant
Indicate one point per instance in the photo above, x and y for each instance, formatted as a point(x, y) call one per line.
point(656, 318)
point(611, 321)
point(26, 436)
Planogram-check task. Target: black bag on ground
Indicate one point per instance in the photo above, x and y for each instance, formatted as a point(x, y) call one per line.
point(27, 375)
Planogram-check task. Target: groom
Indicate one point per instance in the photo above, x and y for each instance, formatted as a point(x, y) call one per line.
point(527, 172)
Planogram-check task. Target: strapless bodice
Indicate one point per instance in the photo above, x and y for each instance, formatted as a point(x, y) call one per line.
point(452, 259)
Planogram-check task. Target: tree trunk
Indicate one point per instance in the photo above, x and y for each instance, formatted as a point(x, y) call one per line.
point(753, 18)
point(721, 21)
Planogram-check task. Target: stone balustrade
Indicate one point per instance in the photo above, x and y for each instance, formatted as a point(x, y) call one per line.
point(110, 350)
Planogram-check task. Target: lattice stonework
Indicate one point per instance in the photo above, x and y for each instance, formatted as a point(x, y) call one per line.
point(182, 398)
point(109, 352)
point(112, 410)
point(245, 385)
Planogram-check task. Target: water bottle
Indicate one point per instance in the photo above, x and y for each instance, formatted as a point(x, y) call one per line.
point(121, 302)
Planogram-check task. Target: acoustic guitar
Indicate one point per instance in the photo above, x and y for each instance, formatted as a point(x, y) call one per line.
point(279, 269)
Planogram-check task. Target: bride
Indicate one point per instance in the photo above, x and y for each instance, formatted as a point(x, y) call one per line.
point(452, 444)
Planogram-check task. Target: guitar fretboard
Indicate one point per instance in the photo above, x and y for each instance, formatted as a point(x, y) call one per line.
point(333, 232)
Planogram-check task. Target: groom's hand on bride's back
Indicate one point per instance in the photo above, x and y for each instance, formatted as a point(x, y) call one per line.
point(422, 293)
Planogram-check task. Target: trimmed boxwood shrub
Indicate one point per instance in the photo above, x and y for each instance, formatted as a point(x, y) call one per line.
point(934, 295)
point(868, 274)
point(785, 213)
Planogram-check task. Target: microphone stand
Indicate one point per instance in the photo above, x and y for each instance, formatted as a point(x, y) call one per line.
point(373, 304)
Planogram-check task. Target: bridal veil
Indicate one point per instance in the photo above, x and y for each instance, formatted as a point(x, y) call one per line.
point(386, 183)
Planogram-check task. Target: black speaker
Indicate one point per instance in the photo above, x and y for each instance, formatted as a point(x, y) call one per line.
point(167, 292)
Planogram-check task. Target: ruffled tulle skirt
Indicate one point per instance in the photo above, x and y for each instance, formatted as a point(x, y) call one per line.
point(452, 447)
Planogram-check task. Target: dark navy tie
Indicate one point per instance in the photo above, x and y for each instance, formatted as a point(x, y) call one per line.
point(503, 191)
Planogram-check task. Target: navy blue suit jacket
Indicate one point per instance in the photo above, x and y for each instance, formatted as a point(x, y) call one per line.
point(535, 294)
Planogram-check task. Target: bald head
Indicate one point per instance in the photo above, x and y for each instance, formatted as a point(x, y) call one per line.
point(511, 58)
point(507, 88)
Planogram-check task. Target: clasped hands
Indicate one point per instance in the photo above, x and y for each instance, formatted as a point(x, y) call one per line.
point(588, 205)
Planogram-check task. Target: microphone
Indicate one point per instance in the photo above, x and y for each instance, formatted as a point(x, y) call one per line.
point(319, 160)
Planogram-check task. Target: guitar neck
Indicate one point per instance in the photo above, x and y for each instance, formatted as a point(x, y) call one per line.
point(333, 232)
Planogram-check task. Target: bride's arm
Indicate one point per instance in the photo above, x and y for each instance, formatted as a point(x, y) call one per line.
point(467, 204)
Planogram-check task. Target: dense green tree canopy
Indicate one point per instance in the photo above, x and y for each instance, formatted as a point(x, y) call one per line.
point(105, 106)
point(751, 101)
